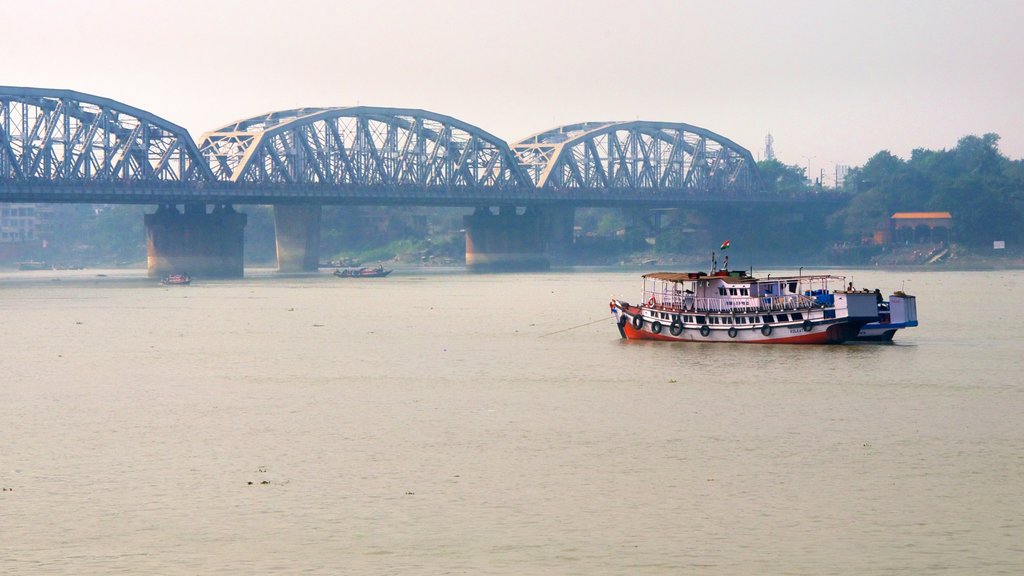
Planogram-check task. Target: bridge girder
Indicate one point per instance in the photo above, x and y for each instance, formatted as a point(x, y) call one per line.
point(70, 137)
point(668, 159)
point(362, 147)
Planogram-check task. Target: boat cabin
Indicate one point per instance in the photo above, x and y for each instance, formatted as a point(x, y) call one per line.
point(736, 292)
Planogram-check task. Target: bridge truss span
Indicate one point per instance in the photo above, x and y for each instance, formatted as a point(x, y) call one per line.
point(69, 139)
point(362, 148)
point(651, 161)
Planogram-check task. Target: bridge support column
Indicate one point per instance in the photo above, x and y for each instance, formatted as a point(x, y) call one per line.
point(297, 227)
point(200, 243)
point(506, 241)
point(561, 221)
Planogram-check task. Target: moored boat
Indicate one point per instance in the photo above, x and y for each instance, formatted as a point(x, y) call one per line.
point(378, 272)
point(176, 280)
point(899, 311)
point(732, 306)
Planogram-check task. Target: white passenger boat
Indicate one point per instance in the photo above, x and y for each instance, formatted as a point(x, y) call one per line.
point(731, 306)
point(899, 311)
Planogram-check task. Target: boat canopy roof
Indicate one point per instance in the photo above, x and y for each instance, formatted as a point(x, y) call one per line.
point(735, 277)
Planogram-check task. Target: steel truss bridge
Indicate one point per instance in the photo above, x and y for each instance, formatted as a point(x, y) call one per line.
point(67, 146)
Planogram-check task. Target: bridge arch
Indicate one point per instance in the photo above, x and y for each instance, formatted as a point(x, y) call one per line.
point(361, 146)
point(66, 136)
point(669, 159)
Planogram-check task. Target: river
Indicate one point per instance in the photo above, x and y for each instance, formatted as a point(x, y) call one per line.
point(439, 422)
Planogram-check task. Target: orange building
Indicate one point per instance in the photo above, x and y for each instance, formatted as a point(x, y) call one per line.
point(914, 227)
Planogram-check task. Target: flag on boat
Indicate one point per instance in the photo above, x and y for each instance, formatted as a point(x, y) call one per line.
point(725, 245)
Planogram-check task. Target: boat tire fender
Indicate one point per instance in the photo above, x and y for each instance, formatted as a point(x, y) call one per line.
point(705, 330)
point(622, 320)
point(638, 322)
point(656, 327)
point(766, 330)
point(676, 328)
point(807, 325)
point(732, 331)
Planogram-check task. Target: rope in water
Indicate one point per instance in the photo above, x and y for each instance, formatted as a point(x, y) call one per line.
point(573, 327)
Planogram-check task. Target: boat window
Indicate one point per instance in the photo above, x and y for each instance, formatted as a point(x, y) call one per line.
point(700, 319)
point(753, 319)
point(732, 291)
point(741, 320)
point(767, 318)
point(782, 318)
point(687, 318)
point(721, 291)
point(744, 292)
point(798, 316)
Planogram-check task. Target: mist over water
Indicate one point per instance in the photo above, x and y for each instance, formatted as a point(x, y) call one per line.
point(441, 422)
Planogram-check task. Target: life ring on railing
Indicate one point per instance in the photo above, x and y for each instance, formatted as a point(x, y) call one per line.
point(766, 330)
point(676, 328)
point(705, 330)
point(807, 325)
point(656, 327)
point(652, 301)
point(638, 322)
point(733, 331)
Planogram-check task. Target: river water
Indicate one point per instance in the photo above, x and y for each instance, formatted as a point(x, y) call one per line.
point(437, 422)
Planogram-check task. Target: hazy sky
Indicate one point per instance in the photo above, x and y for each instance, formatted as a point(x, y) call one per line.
point(833, 81)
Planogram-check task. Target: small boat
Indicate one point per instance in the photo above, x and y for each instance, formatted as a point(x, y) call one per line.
point(176, 280)
point(732, 306)
point(378, 272)
point(34, 265)
point(899, 311)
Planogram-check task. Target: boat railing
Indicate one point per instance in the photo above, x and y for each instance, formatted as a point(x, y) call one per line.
point(756, 304)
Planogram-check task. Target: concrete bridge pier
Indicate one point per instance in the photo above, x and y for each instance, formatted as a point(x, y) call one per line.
point(199, 243)
point(508, 240)
point(561, 222)
point(297, 228)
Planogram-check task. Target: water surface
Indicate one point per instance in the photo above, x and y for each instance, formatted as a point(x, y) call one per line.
point(446, 423)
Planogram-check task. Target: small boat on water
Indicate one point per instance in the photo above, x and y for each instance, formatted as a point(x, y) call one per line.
point(732, 306)
point(899, 311)
point(176, 280)
point(34, 265)
point(378, 272)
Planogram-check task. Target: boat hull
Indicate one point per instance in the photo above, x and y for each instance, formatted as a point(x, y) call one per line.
point(634, 326)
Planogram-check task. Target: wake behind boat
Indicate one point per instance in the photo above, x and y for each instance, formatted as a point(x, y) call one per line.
point(731, 306)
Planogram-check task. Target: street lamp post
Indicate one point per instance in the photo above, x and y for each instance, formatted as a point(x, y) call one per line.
point(808, 158)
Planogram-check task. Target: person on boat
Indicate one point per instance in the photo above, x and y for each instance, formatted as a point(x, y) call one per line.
point(878, 296)
point(849, 287)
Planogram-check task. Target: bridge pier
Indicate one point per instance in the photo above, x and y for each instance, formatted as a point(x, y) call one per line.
point(297, 229)
point(197, 242)
point(507, 240)
point(561, 221)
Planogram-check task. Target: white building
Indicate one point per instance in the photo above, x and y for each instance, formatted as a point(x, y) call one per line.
point(25, 223)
